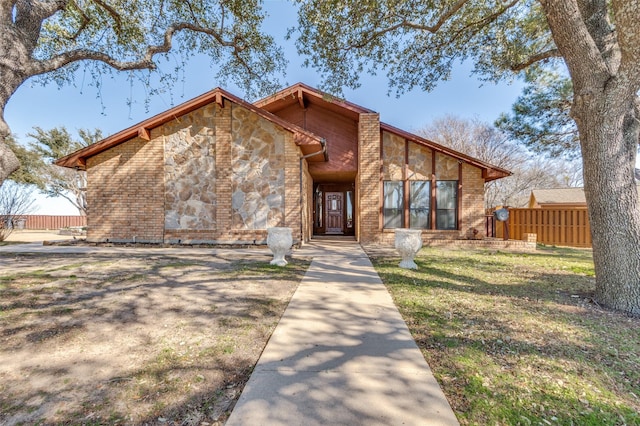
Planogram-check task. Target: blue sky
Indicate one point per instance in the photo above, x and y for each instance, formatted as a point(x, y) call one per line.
point(80, 106)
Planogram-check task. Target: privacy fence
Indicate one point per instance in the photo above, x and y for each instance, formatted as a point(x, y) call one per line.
point(561, 227)
point(47, 222)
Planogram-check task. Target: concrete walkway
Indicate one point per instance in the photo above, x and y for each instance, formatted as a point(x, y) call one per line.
point(341, 354)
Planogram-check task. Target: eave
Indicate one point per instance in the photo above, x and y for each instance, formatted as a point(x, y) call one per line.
point(307, 141)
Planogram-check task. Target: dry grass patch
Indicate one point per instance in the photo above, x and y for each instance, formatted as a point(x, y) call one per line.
point(87, 339)
point(516, 339)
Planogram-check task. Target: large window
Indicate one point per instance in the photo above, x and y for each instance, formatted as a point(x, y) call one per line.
point(419, 204)
point(447, 204)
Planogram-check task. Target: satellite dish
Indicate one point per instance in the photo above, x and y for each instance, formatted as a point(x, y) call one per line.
point(501, 215)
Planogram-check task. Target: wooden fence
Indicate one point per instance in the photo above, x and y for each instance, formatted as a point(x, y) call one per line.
point(48, 222)
point(561, 227)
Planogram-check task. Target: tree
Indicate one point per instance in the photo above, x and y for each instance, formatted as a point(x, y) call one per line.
point(15, 201)
point(485, 142)
point(51, 39)
point(598, 43)
point(56, 181)
point(541, 117)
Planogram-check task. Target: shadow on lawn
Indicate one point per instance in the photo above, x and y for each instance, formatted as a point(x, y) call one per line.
point(513, 343)
point(162, 337)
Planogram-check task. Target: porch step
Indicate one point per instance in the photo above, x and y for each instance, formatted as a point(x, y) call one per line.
point(350, 238)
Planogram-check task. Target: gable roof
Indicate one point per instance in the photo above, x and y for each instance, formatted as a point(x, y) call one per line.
point(304, 95)
point(308, 141)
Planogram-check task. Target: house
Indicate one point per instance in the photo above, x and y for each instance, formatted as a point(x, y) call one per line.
point(217, 169)
point(558, 198)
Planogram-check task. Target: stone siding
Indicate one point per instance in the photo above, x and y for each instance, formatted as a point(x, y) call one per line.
point(257, 171)
point(419, 167)
point(190, 171)
point(392, 156)
point(215, 175)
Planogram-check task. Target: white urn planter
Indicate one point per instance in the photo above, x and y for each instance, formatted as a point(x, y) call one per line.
point(408, 242)
point(279, 240)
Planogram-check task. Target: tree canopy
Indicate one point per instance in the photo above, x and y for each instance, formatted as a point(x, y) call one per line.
point(595, 42)
point(50, 40)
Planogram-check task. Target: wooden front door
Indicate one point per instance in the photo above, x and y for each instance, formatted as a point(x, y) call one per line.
point(334, 208)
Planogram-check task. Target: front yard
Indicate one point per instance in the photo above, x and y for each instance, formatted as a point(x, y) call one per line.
point(154, 339)
point(515, 339)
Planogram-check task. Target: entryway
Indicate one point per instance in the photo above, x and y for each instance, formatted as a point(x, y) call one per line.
point(334, 209)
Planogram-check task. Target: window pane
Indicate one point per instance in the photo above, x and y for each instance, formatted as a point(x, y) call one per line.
point(393, 196)
point(420, 218)
point(446, 194)
point(447, 204)
point(420, 202)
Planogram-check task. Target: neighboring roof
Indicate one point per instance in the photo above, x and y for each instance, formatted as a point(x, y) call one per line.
point(489, 172)
point(559, 196)
point(307, 140)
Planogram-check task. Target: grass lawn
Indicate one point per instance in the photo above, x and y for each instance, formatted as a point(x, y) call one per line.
point(516, 339)
point(134, 339)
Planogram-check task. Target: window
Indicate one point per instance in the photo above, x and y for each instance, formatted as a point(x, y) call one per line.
point(420, 204)
point(393, 204)
point(447, 204)
point(420, 200)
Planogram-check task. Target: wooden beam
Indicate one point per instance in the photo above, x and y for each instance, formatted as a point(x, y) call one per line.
point(218, 99)
point(433, 205)
point(459, 196)
point(144, 133)
point(301, 101)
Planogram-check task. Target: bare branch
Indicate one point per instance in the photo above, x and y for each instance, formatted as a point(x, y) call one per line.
point(551, 53)
point(114, 14)
point(443, 19)
point(146, 62)
point(83, 24)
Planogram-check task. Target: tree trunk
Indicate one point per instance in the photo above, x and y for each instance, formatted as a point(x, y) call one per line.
point(602, 60)
point(9, 83)
point(609, 144)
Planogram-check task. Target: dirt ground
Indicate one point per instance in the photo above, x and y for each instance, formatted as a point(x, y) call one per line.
point(153, 339)
point(33, 236)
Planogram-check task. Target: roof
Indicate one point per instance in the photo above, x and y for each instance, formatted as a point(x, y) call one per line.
point(559, 196)
point(489, 172)
point(267, 108)
point(308, 141)
point(304, 95)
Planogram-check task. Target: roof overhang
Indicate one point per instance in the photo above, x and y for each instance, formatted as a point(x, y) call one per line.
point(308, 141)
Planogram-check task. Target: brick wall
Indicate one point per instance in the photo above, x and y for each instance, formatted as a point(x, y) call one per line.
point(472, 209)
point(368, 180)
point(127, 183)
point(417, 164)
point(126, 193)
point(292, 211)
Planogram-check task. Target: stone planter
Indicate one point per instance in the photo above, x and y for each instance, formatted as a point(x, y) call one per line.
point(408, 242)
point(279, 240)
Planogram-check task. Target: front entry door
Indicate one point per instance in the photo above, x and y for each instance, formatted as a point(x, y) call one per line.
point(334, 202)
